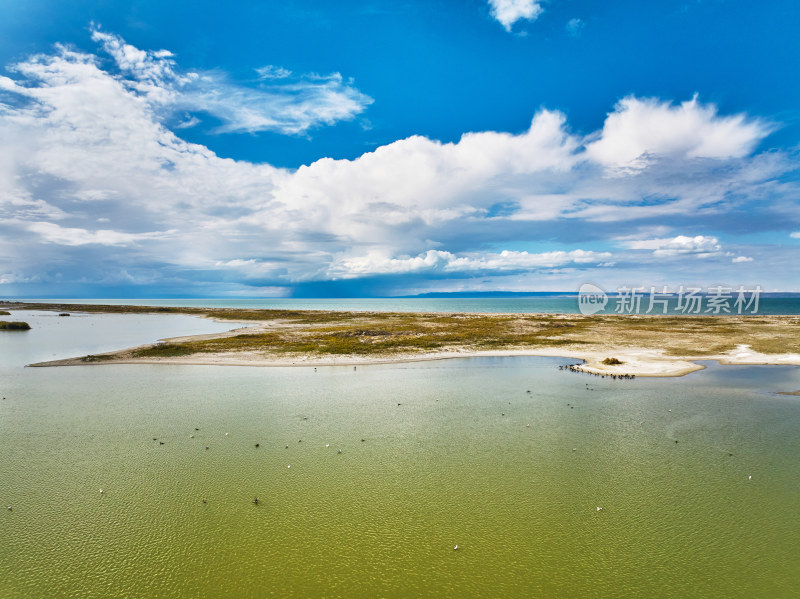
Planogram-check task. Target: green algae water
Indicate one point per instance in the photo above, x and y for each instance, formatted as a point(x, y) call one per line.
point(698, 477)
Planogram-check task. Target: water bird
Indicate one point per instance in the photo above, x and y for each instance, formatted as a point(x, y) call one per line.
point(161, 443)
point(288, 466)
point(191, 436)
point(362, 440)
point(9, 507)
point(204, 501)
point(226, 434)
point(287, 447)
point(455, 548)
point(340, 451)
point(206, 446)
point(101, 491)
point(255, 500)
point(599, 509)
point(574, 449)
point(326, 445)
point(197, 429)
point(750, 477)
point(257, 445)
point(155, 438)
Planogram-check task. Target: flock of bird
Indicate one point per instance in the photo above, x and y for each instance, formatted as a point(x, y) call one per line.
point(579, 369)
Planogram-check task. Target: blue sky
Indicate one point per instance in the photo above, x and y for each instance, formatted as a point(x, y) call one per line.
point(375, 148)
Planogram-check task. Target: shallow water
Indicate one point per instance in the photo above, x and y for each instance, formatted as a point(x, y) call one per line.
point(447, 459)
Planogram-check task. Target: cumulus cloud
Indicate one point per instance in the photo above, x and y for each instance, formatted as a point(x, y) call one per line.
point(86, 144)
point(739, 259)
point(795, 235)
point(640, 131)
point(508, 12)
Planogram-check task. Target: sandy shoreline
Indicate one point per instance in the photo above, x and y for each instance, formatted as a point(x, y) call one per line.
point(640, 362)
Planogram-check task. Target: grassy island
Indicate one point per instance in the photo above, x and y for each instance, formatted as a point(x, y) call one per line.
point(289, 337)
point(14, 326)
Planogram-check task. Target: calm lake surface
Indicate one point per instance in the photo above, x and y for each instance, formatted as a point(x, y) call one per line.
point(547, 304)
point(454, 452)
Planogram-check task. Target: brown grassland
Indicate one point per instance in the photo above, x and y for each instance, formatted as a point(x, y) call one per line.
point(384, 334)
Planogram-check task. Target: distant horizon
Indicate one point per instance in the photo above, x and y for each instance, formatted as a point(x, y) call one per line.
point(434, 295)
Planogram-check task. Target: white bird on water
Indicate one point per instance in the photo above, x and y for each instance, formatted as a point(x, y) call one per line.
point(101, 491)
point(455, 548)
point(599, 509)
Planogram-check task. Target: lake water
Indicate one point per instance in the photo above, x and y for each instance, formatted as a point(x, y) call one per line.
point(550, 304)
point(454, 452)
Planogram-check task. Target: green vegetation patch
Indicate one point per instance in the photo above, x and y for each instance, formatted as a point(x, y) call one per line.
point(165, 350)
point(6, 325)
point(612, 362)
point(93, 358)
point(5, 313)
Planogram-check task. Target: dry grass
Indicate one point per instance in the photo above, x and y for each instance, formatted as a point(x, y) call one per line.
point(321, 333)
point(335, 333)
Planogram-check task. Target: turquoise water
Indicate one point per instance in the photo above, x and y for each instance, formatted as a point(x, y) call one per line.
point(567, 304)
point(454, 452)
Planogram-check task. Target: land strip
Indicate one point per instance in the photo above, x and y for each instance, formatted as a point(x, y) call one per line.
point(644, 345)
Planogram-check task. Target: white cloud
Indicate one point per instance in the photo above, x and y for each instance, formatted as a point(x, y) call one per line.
point(445, 262)
point(795, 235)
point(508, 12)
point(285, 105)
point(739, 259)
point(53, 233)
point(640, 131)
point(272, 72)
point(84, 146)
point(701, 245)
point(575, 26)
